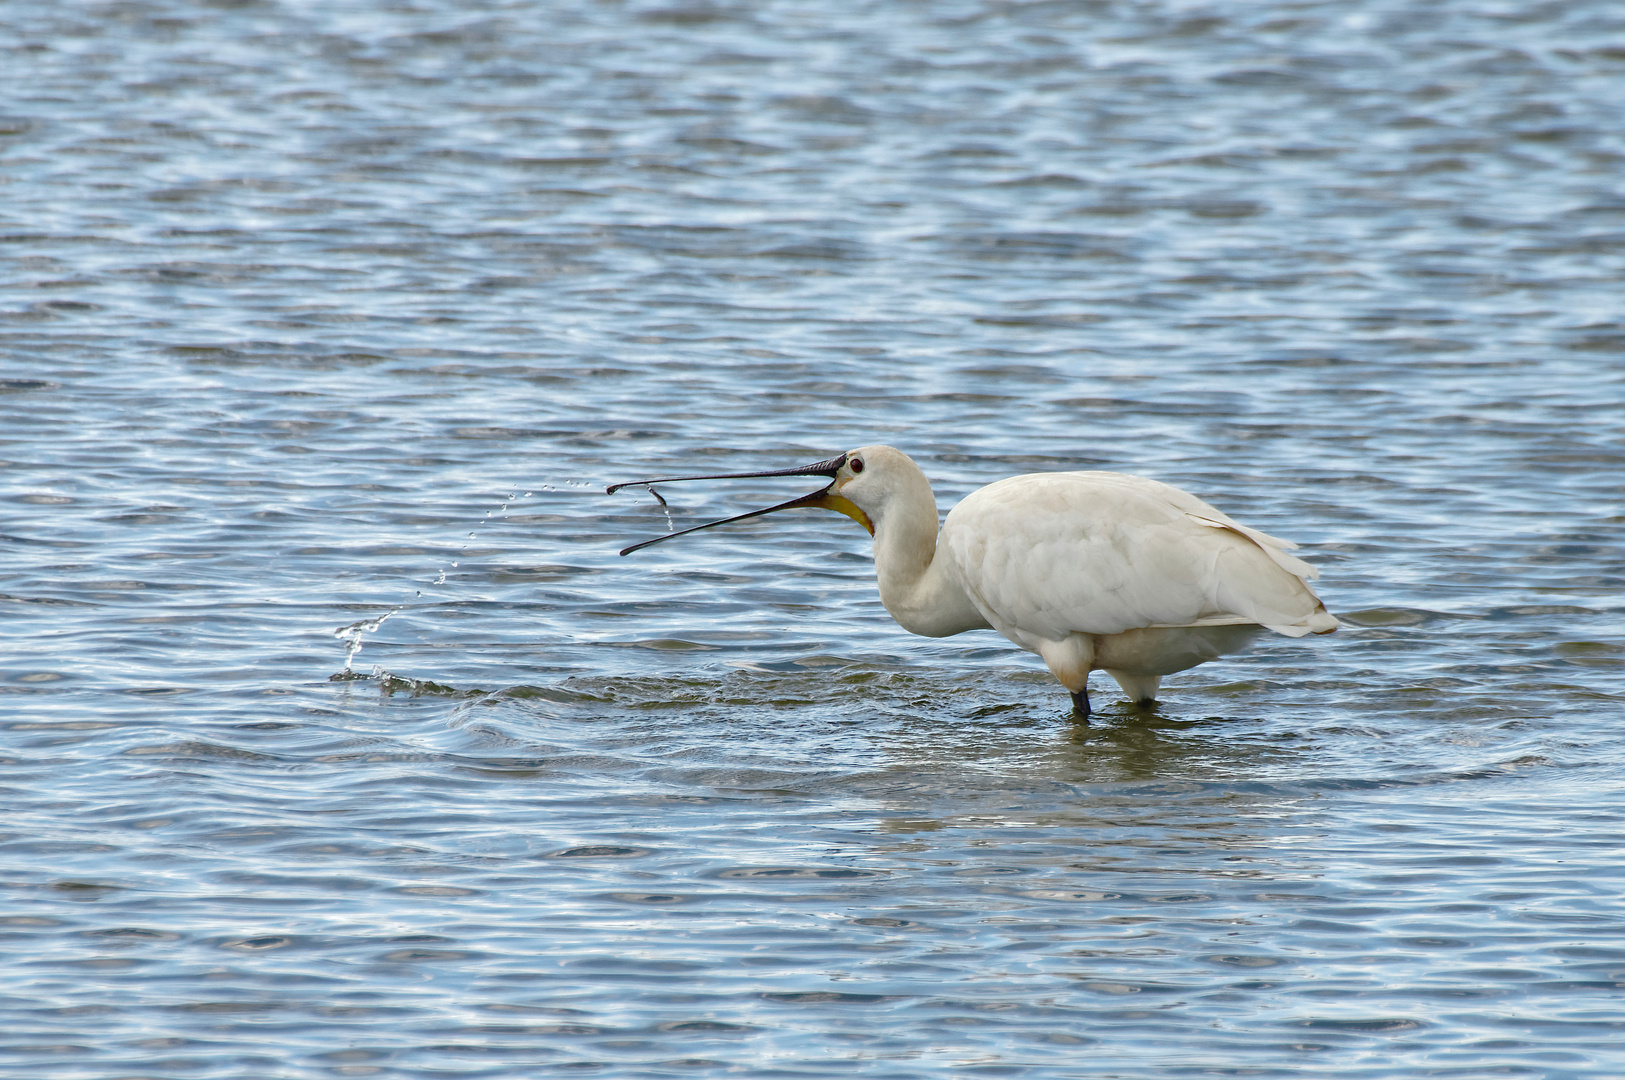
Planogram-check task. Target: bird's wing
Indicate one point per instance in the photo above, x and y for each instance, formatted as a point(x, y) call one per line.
point(1052, 554)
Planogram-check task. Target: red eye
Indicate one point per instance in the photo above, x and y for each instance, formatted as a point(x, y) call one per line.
point(857, 465)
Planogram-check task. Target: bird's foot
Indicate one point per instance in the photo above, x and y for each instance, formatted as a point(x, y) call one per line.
point(1080, 705)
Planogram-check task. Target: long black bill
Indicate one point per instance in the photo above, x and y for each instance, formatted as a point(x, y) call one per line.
point(821, 498)
point(830, 468)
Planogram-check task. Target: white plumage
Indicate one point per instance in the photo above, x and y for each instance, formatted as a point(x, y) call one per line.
point(1090, 570)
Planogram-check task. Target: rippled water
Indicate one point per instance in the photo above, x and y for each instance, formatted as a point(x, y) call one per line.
point(315, 313)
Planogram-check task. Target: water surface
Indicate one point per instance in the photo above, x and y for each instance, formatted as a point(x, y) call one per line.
point(315, 313)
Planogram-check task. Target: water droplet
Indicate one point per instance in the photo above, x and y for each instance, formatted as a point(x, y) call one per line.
point(351, 635)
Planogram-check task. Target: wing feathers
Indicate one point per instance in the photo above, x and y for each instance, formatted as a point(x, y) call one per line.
point(1051, 554)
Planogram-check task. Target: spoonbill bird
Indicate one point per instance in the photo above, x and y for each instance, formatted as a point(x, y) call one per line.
point(1090, 570)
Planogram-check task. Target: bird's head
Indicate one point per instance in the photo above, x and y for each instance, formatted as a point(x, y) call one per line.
point(860, 483)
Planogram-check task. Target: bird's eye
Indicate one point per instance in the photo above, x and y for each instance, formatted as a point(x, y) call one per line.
point(856, 464)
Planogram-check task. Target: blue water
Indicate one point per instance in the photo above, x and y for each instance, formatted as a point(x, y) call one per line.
point(317, 313)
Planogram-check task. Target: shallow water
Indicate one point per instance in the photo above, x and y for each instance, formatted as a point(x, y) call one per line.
point(319, 313)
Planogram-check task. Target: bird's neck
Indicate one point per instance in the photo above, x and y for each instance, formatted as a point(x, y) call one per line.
point(920, 591)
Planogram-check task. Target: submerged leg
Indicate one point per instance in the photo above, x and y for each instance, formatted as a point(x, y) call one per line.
point(1141, 689)
point(1070, 660)
point(1080, 705)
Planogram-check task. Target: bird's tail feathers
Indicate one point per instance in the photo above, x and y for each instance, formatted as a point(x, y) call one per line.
point(1320, 622)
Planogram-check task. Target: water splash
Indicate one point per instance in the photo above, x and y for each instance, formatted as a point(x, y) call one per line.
point(354, 634)
point(351, 636)
point(664, 509)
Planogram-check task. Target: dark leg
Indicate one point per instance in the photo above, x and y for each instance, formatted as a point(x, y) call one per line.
point(1080, 705)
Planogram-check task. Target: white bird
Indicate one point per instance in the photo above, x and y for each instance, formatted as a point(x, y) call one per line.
point(1090, 570)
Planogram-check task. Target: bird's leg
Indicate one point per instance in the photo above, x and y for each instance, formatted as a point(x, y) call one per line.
point(1080, 705)
point(1070, 660)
